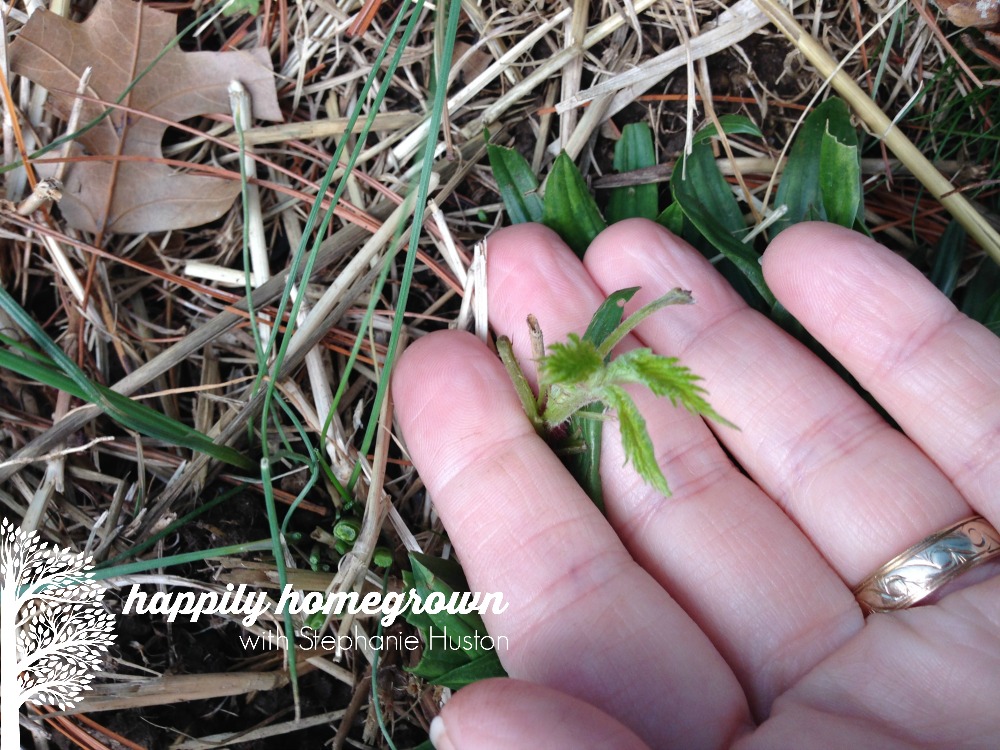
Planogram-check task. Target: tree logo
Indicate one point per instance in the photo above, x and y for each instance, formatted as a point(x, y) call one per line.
point(54, 629)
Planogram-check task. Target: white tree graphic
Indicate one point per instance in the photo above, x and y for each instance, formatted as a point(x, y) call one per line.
point(54, 629)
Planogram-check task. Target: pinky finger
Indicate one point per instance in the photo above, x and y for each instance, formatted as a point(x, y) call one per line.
point(501, 714)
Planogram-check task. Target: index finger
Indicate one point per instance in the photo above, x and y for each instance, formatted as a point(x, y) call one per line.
point(583, 617)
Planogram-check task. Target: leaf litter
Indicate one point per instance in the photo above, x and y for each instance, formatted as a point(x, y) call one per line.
point(124, 184)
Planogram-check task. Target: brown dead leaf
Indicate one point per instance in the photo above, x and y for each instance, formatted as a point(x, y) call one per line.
point(120, 39)
point(978, 13)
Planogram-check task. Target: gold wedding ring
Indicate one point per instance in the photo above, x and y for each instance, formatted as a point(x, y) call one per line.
point(928, 565)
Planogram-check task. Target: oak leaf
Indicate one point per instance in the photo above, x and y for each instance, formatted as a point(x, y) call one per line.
point(979, 13)
point(120, 39)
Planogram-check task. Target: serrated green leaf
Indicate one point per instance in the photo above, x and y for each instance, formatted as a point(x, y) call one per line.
point(636, 442)
point(822, 177)
point(569, 208)
point(731, 125)
point(517, 184)
point(633, 151)
point(569, 363)
point(665, 377)
point(708, 203)
point(585, 431)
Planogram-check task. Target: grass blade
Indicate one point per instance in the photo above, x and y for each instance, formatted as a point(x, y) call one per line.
point(131, 414)
point(517, 184)
point(633, 151)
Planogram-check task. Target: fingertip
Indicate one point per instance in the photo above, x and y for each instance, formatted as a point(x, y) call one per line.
point(529, 267)
point(502, 713)
point(439, 384)
point(839, 282)
point(641, 253)
point(810, 241)
point(419, 367)
point(632, 238)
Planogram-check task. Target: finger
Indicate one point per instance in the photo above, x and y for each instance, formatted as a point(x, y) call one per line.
point(934, 370)
point(582, 616)
point(859, 489)
point(501, 714)
point(720, 547)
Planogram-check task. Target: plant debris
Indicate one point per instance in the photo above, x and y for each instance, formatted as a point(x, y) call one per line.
point(123, 184)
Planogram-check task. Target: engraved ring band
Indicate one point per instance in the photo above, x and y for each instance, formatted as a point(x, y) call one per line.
point(928, 565)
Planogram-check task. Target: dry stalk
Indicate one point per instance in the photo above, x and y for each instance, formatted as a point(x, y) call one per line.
point(576, 29)
point(137, 693)
point(306, 131)
point(731, 27)
point(242, 107)
point(354, 565)
point(881, 126)
point(408, 147)
point(215, 741)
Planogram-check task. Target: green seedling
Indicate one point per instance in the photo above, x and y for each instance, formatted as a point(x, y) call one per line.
point(382, 557)
point(577, 373)
point(347, 530)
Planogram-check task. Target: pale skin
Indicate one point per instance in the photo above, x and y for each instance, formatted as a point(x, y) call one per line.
point(723, 615)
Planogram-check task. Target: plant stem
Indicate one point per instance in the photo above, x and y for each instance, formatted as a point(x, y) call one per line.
point(673, 297)
point(521, 384)
point(537, 352)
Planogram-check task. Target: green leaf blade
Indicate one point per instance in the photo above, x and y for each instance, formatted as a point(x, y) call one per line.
point(636, 442)
point(840, 180)
point(634, 151)
point(731, 125)
point(608, 316)
point(821, 180)
point(569, 208)
point(517, 184)
point(708, 203)
point(457, 654)
point(124, 410)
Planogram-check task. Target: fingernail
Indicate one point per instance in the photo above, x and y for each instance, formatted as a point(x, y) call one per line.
point(439, 735)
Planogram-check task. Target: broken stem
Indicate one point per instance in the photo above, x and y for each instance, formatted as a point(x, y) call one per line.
point(521, 385)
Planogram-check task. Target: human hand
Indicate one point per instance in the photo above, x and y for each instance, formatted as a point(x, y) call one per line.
point(723, 615)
